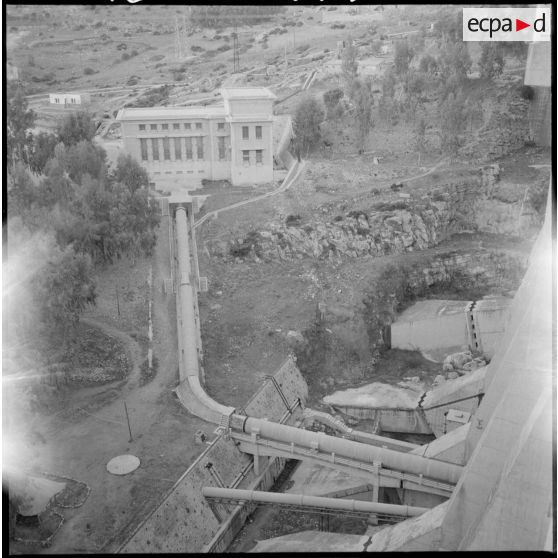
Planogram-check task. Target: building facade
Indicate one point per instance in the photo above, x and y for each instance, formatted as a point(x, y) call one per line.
point(231, 141)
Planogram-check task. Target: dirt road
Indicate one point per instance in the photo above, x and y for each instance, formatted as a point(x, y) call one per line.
point(92, 429)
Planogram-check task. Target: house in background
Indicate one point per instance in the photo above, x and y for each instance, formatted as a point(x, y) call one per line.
point(69, 99)
point(230, 141)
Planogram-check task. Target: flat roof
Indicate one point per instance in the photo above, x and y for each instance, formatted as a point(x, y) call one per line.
point(164, 113)
point(431, 309)
point(247, 93)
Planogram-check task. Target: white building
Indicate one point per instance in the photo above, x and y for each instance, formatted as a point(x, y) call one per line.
point(69, 99)
point(232, 140)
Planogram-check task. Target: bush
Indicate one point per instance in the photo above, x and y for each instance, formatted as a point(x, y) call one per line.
point(88, 71)
point(527, 92)
point(125, 56)
point(293, 220)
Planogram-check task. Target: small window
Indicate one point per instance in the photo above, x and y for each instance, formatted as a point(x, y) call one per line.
point(142, 126)
point(165, 126)
point(176, 126)
point(187, 126)
point(259, 156)
point(246, 158)
point(258, 132)
point(153, 126)
point(198, 125)
point(220, 126)
point(244, 132)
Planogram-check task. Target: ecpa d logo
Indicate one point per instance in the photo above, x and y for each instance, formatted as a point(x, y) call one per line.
point(507, 24)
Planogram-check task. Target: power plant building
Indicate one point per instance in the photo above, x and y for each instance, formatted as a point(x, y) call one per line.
point(230, 141)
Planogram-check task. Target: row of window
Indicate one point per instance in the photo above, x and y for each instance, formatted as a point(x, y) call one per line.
point(246, 157)
point(176, 126)
point(246, 132)
point(180, 146)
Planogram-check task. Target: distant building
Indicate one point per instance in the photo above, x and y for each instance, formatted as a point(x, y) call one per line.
point(231, 141)
point(71, 99)
point(538, 72)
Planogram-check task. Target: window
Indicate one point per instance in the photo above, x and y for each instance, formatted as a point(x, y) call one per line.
point(187, 126)
point(153, 126)
point(155, 148)
point(244, 132)
point(258, 132)
point(142, 126)
point(166, 148)
point(198, 125)
point(200, 147)
point(143, 147)
point(177, 149)
point(164, 126)
point(220, 126)
point(259, 156)
point(188, 148)
point(221, 146)
point(176, 126)
point(246, 158)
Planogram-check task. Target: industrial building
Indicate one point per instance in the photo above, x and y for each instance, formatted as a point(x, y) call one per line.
point(229, 141)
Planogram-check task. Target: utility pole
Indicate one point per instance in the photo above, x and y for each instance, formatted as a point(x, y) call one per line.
point(236, 55)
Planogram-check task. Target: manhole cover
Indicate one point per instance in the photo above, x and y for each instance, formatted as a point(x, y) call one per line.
point(123, 464)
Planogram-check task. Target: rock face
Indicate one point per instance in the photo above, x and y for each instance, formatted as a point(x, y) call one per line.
point(412, 224)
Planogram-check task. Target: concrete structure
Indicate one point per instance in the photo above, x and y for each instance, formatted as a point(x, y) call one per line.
point(230, 141)
point(538, 76)
point(440, 327)
point(69, 99)
point(12, 72)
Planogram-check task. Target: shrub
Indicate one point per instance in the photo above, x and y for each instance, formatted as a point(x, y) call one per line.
point(527, 92)
point(293, 220)
point(125, 56)
point(88, 71)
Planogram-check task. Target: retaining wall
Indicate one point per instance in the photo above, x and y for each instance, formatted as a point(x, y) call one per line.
point(184, 520)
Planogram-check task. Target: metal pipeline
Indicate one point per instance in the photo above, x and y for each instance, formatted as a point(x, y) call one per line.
point(187, 328)
point(304, 500)
point(391, 459)
point(365, 453)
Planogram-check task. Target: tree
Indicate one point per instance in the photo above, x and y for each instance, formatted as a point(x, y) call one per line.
point(85, 158)
point(428, 64)
point(402, 57)
point(76, 127)
point(18, 121)
point(65, 287)
point(42, 151)
point(363, 101)
point(331, 101)
point(349, 62)
point(21, 189)
point(452, 119)
point(491, 62)
point(306, 125)
point(420, 136)
point(455, 61)
point(130, 173)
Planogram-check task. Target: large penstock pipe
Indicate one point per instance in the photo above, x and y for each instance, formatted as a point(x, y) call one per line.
point(187, 328)
point(391, 459)
point(304, 500)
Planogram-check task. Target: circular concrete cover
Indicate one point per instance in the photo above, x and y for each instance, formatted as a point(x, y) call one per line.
point(123, 464)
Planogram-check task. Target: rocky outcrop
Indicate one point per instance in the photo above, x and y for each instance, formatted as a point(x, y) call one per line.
point(392, 227)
